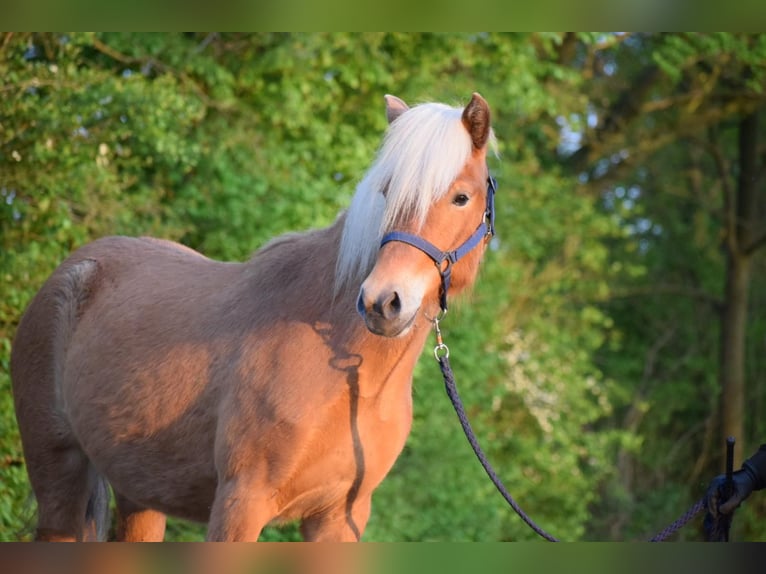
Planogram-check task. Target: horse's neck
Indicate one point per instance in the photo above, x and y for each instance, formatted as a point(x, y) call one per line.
point(376, 366)
point(304, 266)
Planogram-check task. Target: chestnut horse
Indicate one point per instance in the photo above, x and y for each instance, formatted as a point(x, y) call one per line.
point(241, 394)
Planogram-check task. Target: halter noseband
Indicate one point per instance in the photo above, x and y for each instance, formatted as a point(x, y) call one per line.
point(445, 259)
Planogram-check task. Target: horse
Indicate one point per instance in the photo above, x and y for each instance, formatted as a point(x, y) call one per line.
point(244, 394)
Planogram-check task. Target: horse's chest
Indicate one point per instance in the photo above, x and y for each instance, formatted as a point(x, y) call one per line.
point(368, 438)
point(382, 432)
point(350, 454)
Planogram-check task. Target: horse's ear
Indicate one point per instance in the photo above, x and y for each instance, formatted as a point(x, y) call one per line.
point(394, 107)
point(476, 119)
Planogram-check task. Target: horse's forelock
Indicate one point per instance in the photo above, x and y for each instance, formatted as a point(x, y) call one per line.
point(422, 153)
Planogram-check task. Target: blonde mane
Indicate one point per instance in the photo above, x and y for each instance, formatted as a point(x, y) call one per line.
point(422, 153)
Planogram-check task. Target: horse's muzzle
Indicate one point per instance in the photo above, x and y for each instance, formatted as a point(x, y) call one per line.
point(383, 314)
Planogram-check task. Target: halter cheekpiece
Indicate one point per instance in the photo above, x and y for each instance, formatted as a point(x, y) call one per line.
point(445, 259)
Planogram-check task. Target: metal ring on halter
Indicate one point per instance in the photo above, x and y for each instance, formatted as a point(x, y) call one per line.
point(487, 220)
point(443, 349)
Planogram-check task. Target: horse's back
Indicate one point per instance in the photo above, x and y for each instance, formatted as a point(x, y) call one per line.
point(139, 270)
point(121, 255)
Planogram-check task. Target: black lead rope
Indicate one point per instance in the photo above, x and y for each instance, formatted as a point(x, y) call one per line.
point(442, 355)
point(449, 383)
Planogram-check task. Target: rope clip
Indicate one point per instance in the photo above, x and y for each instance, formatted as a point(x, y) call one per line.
point(441, 351)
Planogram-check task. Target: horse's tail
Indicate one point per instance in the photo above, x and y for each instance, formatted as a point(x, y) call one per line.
point(37, 356)
point(71, 297)
point(97, 515)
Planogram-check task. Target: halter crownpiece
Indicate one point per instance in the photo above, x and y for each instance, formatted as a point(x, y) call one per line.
point(445, 259)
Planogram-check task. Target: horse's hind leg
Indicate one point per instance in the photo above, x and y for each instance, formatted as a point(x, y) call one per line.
point(138, 524)
point(72, 500)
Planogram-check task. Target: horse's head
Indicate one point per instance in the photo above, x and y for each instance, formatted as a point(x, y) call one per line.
point(430, 248)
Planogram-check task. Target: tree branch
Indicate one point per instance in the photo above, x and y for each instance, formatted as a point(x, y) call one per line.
point(114, 54)
point(567, 49)
point(150, 62)
point(623, 110)
point(7, 37)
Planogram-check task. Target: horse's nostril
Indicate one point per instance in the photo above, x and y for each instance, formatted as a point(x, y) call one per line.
point(391, 305)
point(387, 306)
point(395, 304)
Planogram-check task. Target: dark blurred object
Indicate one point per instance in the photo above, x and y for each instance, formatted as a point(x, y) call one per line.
point(727, 491)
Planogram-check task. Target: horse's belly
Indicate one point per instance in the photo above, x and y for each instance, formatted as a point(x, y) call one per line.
point(167, 467)
point(177, 479)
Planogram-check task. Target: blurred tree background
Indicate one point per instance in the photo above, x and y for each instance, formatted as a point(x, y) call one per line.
point(617, 333)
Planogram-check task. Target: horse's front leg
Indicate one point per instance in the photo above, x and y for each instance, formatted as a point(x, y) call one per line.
point(239, 512)
point(343, 523)
point(138, 524)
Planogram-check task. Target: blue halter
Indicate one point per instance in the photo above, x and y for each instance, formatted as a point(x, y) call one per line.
point(485, 230)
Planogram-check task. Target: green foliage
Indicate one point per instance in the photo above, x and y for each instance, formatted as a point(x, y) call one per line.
point(677, 162)
point(589, 376)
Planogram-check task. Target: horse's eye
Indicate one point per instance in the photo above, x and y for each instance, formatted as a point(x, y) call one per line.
point(460, 199)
